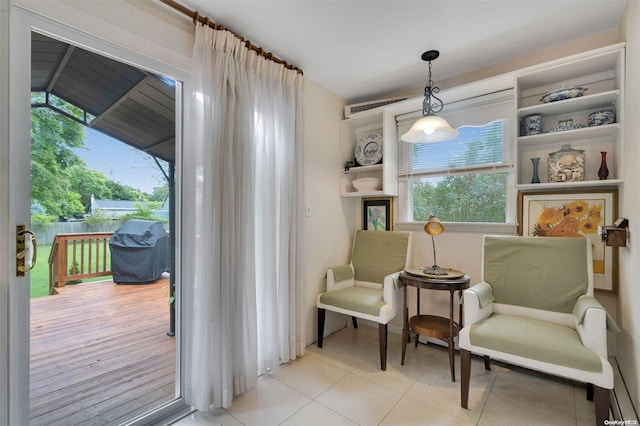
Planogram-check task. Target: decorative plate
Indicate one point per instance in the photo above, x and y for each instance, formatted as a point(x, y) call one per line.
point(419, 271)
point(369, 149)
point(562, 94)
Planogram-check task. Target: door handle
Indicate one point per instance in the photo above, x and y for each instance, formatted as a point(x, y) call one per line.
point(26, 250)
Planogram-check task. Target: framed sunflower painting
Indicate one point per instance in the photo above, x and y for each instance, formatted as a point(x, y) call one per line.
point(575, 214)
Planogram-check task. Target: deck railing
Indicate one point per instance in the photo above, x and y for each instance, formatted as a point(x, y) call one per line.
point(77, 256)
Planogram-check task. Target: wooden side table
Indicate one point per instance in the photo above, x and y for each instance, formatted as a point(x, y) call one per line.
point(431, 325)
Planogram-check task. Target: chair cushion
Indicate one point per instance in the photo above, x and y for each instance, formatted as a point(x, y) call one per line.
point(534, 339)
point(547, 273)
point(377, 254)
point(358, 299)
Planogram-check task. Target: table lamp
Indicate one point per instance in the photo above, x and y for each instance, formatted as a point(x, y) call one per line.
point(434, 227)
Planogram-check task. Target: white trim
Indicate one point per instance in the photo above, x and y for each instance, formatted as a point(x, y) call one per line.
point(5, 263)
point(144, 55)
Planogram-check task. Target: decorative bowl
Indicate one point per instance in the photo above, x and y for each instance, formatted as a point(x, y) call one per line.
point(366, 184)
point(601, 117)
point(565, 125)
point(562, 94)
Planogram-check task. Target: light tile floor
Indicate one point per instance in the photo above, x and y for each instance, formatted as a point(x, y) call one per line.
point(342, 384)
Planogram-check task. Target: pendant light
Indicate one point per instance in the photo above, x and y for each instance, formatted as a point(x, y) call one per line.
point(430, 128)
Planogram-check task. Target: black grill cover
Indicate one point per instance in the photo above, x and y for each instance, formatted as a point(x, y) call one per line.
point(140, 252)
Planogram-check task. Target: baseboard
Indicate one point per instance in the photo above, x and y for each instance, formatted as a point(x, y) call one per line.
point(621, 406)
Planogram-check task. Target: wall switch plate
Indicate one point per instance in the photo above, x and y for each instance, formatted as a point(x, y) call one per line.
point(307, 210)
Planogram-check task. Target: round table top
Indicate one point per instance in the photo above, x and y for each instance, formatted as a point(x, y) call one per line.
point(435, 283)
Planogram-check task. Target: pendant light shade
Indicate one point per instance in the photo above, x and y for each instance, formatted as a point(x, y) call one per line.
point(430, 128)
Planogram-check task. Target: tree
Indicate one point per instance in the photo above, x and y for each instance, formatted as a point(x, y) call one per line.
point(61, 182)
point(144, 211)
point(125, 192)
point(52, 138)
point(88, 182)
point(469, 197)
point(160, 193)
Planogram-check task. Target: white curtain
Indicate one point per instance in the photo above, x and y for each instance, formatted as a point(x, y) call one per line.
point(243, 280)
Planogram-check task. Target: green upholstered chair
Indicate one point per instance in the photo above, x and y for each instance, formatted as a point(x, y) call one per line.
point(367, 288)
point(535, 308)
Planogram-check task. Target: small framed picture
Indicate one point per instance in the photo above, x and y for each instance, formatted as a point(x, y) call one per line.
point(377, 214)
point(575, 214)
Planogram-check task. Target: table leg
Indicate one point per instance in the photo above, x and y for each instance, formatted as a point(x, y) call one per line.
point(451, 342)
point(405, 326)
point(417, 312)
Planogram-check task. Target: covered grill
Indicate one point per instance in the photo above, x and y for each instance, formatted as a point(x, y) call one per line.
point(140, 252)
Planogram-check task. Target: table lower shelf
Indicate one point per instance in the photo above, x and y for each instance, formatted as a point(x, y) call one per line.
point(432, 326)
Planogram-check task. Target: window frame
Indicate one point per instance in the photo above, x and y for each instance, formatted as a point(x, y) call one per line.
point(462, 93)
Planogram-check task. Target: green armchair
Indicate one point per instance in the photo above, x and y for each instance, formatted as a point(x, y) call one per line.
point(367, 288)
point(535, 308)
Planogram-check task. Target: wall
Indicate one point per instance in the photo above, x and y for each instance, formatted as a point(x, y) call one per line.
point(329, 229)
point(628, 353)
point(533, 58)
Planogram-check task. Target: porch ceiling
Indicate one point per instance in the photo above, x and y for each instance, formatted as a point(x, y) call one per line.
point(129, 104)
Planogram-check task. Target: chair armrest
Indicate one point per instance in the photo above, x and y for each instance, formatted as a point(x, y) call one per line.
point(477, 303)
point(592, 322)
point(341, 272)
point(390, 287)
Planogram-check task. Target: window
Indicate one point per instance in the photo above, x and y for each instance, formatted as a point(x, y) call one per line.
point(468, 179)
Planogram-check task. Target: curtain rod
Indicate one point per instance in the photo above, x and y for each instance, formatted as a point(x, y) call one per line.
point(195, 16)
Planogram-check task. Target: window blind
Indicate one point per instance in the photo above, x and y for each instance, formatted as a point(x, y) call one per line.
point(485, 141)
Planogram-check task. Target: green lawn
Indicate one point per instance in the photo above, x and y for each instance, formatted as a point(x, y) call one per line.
point(39, 275)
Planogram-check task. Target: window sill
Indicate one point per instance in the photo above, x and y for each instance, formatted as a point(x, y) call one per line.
point(480, 228)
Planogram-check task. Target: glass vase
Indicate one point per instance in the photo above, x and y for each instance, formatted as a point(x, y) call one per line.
point(603, 172)
point(535, 162)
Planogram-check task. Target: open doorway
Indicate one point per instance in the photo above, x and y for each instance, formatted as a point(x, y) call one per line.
point(101, 352)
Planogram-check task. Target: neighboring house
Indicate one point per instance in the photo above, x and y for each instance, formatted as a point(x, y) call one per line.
point(112, 208)
point(116, 208)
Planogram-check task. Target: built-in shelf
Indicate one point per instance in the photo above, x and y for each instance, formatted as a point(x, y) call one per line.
point(351, 131)
point(601, 72)
point(587, 102)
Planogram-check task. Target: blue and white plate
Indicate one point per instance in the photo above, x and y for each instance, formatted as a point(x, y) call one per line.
point(562, 94)
point(369, 149)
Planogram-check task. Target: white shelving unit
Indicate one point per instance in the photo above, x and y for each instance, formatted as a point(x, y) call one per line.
point(602, 73)
point(351, 131)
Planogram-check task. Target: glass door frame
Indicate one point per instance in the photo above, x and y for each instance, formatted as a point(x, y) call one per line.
point(15, 149)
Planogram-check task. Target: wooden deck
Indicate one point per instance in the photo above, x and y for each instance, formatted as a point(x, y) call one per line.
point(100, 353)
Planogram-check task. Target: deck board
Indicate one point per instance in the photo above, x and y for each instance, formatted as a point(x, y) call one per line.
point(100, 353)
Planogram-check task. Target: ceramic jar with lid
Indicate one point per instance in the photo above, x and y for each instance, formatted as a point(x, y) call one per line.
point(532, 125)
point(566, 165)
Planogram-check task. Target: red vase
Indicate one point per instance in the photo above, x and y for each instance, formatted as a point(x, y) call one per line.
point(603, 172)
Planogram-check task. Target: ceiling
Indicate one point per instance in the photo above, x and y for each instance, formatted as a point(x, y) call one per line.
point(365, 49)
point(128, 104)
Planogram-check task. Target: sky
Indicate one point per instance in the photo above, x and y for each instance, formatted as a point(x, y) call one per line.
point(120, 162)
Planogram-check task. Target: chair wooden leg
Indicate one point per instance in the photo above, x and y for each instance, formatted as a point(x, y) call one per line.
point(354, 321)
point(465, 375)
point(590, 391)
point(321, 313)
point(487, 363)
point(601, 396)
point(382, 333)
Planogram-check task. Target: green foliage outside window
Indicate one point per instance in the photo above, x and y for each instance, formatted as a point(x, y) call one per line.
point(465, 198)
point(475, 196)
